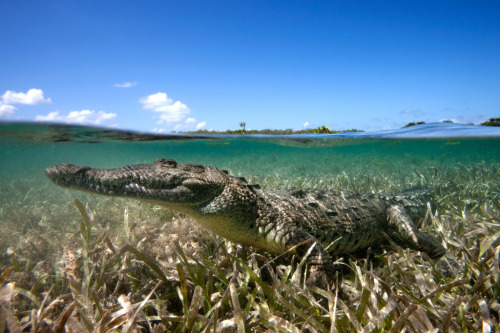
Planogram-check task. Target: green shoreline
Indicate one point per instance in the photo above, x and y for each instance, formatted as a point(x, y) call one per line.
point(318, 130)
point(287, 131)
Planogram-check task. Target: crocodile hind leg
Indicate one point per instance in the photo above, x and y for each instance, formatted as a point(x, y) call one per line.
point(406, 234)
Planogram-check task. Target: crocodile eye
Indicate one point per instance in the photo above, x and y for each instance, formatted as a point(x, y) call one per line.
point(166, 163)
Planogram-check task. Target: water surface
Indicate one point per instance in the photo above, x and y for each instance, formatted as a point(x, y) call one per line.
point(27, 149)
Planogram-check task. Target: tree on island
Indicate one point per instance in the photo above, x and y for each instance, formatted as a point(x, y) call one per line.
point(413, 124)
point(242, 125)
point(318, 130)
point(323, 130)
point(492, 122)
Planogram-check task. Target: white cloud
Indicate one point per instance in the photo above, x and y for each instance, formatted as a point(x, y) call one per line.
point(32, 97)
point(126, 84)
point(306, 124)
point(52, 116)
point(86, 117)
point(169, 111)
point(6, 110)
point(413, 112)
point(189, 125)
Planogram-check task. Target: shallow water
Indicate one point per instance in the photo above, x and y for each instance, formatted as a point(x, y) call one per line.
point(38, 219)
point(298, 161)
point(41, 228)
point(464, 172)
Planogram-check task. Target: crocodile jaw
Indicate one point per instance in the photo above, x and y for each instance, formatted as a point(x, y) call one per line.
point(163, 182)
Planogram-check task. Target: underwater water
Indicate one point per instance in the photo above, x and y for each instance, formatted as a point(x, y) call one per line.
point(430, 156)
point(386, 161)
point(45, 244)
point(283, 162)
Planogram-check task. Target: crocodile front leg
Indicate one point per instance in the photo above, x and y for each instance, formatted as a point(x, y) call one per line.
point(319, 262)
point(406, 233)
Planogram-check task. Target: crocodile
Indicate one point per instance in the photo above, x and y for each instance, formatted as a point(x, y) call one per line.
point(315, 224)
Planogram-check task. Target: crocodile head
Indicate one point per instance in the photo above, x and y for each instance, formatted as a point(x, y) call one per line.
point(163, 182)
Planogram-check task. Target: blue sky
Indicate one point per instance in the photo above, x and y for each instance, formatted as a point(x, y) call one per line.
point(182, 65)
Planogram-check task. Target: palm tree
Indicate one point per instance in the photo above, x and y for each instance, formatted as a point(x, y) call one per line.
point(243, 124)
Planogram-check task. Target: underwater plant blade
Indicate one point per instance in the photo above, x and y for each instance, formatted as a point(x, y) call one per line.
point(63, 318)
point(240, 324)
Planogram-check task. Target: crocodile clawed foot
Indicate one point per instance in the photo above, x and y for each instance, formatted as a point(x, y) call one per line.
point(319, 278)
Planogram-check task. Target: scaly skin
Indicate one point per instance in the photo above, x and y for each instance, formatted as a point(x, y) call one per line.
point(272, 221)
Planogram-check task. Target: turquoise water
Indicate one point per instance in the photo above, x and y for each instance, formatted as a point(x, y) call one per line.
point(43, 235)
point(277, 162)
point(465, 171)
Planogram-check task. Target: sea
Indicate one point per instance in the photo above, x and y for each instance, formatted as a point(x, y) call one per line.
point(428, 155)
point(42, 226)
point(449, 157)
point(399, 158)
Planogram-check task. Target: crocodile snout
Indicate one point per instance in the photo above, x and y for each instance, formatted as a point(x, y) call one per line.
point(65, 174)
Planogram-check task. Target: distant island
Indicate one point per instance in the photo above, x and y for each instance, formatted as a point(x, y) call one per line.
point(288, 131)
point(491, 122)
point(317, 130)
